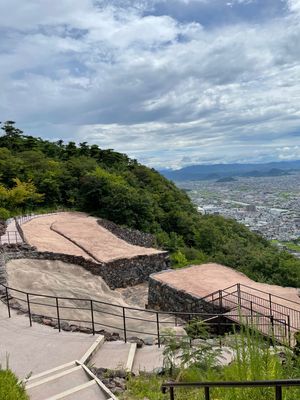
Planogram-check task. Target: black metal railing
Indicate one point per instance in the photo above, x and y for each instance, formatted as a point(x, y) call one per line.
point(10, 237)
point(98, 315)
point(242, 296)
point(207, 387)
point(269, 301)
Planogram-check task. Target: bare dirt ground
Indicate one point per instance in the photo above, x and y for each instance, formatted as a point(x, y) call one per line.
point(56, 278)
point(47, 234)
point(201, 280)
point(136, 295)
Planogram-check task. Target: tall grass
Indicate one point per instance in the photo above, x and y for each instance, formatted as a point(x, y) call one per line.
point(10, 388)
point(255, 359)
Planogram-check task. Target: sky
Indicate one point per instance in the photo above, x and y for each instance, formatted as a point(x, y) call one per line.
point(169, 82)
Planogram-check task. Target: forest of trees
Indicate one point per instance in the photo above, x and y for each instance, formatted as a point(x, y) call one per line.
point(39, 174)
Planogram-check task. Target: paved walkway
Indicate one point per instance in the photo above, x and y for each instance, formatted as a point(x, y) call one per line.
point(11, 235)
point(38, 348)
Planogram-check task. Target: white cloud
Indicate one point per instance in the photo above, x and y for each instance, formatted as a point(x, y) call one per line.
point(163, 90)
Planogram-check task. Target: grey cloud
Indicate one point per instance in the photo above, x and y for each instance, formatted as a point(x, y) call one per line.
point(134, 81)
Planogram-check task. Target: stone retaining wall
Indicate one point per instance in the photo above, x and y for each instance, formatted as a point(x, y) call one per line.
point(131, 236)
point(165, 297)
point(117, 273)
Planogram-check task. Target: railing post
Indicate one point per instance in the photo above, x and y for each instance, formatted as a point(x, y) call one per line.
point(272, 324)
point(220, 299)
point(172, 396)
point(57, 312)
point(29, 311)
point(92, 315)
point(157, 326)
point(124, 325)
point(270, 303)
point(278, 392)
point(206, 393)
point(251, 312)
point(239, 294)
point(289, 329)
point(7, 302)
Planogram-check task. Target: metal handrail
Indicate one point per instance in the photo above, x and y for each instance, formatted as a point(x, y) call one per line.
point(276, 384)
point(235, 294)
point(261, 291)
point(125, 316)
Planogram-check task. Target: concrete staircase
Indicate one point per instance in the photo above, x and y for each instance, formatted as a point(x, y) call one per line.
point(71, 381)
point(126, 356)
point(75, 381)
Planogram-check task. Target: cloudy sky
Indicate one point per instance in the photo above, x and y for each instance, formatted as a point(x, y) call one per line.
point(170, 82)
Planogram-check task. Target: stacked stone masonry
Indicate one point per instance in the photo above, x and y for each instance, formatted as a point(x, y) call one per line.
point(117, 273)
point(165, 297)
point(131, 236)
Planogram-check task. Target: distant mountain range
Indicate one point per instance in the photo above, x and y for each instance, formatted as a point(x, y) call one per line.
point(222, 171)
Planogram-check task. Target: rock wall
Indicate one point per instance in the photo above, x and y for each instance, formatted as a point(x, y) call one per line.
point(132, 236)
point(165, 297)
point(117, 273)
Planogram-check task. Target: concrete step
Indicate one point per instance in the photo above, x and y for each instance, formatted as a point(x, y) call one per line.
point(91, 392)
point(112, 355)
point(50, 372)
point(56, 383)
point(147, 359)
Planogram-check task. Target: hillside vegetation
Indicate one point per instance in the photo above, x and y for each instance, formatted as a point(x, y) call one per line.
point(39, 174)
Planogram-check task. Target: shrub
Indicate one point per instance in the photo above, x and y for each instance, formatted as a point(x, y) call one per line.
point(4, 213)
point(10, 388)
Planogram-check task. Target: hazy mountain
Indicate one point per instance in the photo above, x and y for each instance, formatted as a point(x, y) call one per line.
point(219, 171)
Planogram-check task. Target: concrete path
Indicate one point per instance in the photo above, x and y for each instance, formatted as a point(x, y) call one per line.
point(11, 235)
point(51, 363)
point(36, 349)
